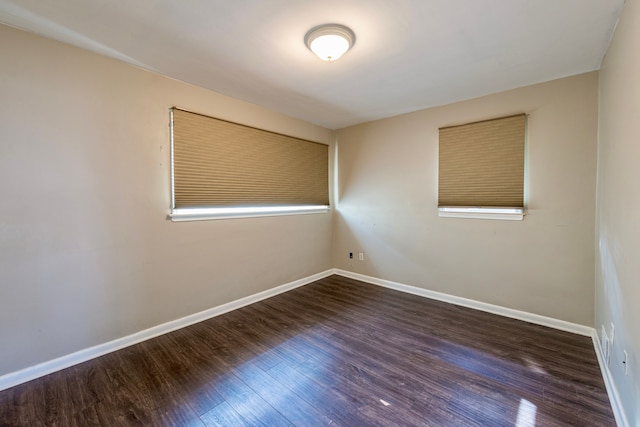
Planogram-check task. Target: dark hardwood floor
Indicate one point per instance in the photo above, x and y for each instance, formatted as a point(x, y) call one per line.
point(336, 352)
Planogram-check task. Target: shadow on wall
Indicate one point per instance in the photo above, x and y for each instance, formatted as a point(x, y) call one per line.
point(614, 320)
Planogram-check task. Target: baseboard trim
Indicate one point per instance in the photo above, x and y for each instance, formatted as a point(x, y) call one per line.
point(612, 390)
point(477, 305)
point(31, 373)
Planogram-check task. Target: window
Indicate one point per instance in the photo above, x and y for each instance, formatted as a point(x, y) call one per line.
point(222, 169)
point(481, 169)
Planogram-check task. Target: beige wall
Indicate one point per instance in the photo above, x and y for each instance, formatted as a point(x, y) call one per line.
point(387, 205)
point(86, 254)
point(618, 218)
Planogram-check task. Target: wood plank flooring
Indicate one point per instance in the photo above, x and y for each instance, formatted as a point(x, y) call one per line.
point(336, 352)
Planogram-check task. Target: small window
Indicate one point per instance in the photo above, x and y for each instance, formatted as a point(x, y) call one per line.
point(222, 169)
point(481, 169)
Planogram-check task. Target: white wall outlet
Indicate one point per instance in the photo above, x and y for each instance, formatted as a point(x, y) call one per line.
point(604, 341)
point(361, 256)
point(611, 334)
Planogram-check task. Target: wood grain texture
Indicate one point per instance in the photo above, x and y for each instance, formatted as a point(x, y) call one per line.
point(336, 352)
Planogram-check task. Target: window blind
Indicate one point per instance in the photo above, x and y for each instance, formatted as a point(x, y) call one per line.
point(482, 163)
point(217, 163)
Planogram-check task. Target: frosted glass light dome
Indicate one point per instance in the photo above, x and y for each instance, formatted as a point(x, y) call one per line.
point(330, 41)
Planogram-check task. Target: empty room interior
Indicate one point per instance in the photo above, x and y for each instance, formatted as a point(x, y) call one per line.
point(207, 222)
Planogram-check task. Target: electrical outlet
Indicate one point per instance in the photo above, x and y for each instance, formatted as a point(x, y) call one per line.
point(625, 361)
point(350, 255)
point(361, 256)
point(604, 338)
point(611, 335)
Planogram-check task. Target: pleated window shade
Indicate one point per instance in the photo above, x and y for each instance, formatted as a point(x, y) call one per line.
point(482, 163)
point(217, 163)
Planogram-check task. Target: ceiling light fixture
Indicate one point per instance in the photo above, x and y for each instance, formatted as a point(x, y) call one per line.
point(329, 41)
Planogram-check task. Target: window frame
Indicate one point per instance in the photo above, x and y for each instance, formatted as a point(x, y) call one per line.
point(509, 213)
point(183, 214)
point(482, 212)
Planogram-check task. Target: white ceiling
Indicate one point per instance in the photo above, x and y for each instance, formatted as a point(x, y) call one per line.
point(408, 55)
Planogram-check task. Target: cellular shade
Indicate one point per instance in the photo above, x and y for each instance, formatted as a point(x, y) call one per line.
point(217, 163)
point(482, 163)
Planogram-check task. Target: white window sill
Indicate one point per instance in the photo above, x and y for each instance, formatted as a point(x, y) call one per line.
point(202, 214)
point(505, 214)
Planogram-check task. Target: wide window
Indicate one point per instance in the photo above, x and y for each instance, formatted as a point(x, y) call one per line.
point(222, 169)
point(482, 168)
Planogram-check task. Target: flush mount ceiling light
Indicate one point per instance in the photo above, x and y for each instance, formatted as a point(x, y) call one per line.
point(329, 41)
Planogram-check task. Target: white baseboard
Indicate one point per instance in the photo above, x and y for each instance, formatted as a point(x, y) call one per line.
point(612, 390)
point(14, 378)
point(477, 305)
